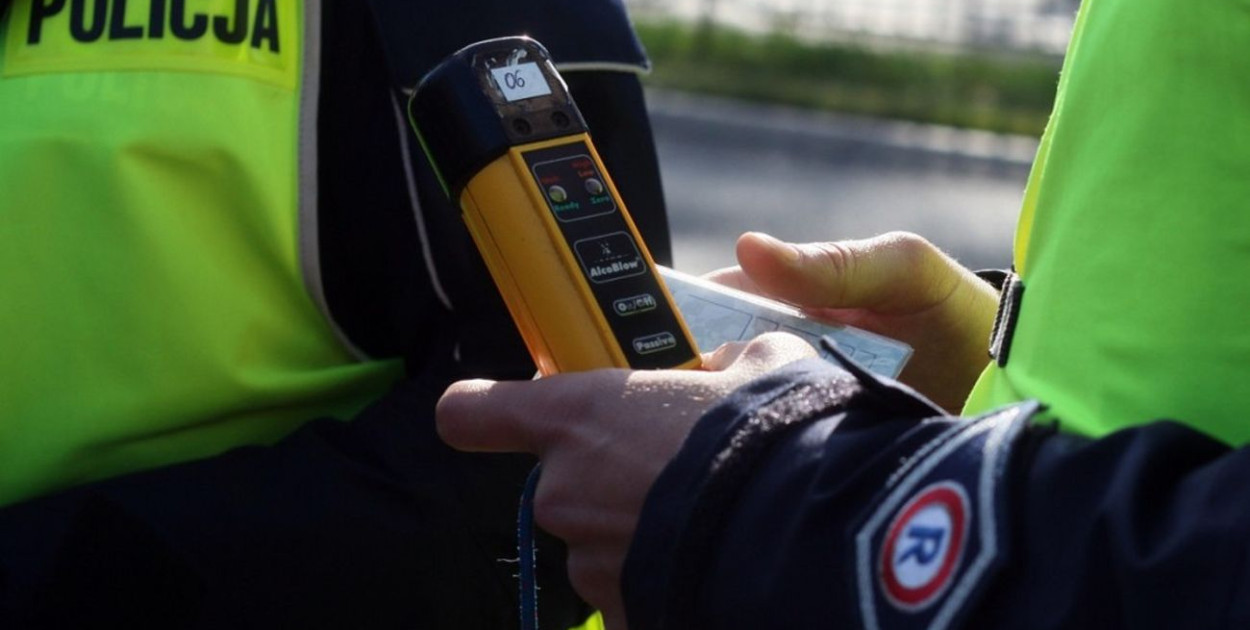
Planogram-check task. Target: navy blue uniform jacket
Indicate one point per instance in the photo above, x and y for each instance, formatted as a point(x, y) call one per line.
point(818, 497)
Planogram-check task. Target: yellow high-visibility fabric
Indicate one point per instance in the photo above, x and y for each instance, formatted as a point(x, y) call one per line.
point(1134, 240)
point(594, 622)
point(154, 308)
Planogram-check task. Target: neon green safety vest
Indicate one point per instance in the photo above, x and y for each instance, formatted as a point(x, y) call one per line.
point(1134, 240)
point(157, 162)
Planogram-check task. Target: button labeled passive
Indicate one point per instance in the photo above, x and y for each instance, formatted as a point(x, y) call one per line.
point(658, 342)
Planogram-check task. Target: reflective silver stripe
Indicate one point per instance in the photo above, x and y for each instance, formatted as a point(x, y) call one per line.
point(410, 179)
point(309, 245)
point(604, 66)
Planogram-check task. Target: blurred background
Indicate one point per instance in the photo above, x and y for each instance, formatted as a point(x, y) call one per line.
point(831, 119)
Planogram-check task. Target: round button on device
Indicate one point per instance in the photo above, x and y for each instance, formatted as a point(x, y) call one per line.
point(594, 186)
point(558, 194)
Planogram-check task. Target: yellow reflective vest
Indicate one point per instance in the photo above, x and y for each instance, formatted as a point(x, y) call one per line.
point(160, 297)
point(1134, 241)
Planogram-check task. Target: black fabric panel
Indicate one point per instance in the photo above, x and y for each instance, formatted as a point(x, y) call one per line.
point(373, 272)
point(489, 343)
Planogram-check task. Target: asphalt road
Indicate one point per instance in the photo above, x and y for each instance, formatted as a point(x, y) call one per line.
point(729, 167)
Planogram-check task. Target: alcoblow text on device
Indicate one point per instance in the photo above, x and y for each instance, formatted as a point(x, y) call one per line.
point(509, 144)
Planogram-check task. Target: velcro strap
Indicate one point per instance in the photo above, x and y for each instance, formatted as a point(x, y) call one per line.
point(1005, 321)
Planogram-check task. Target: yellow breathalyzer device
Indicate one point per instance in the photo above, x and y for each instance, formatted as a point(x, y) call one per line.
point(509, 144)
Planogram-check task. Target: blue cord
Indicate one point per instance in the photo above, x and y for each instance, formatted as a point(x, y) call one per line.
point(527, 553)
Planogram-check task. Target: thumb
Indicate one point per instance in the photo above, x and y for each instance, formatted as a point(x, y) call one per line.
point(895, 272)
point(479, 415)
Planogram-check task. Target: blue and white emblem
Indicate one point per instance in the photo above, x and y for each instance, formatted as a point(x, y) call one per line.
point(934, 538)
point(923, 545)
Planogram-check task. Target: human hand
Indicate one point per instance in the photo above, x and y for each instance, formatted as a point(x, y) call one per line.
point(603, 437)
point(896, 284)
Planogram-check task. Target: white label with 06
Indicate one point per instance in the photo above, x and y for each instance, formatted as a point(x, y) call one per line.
point(521, 81)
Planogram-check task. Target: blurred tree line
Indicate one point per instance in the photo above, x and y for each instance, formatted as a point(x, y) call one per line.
point(975, 89)
point(986, 84)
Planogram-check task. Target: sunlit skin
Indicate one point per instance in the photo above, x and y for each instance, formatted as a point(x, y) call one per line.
point(897, 284)
point(604, 436)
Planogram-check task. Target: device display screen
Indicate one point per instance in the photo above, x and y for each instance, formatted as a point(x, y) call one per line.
point(520, 81)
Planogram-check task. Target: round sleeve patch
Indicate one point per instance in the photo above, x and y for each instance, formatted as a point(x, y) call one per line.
point(934, 537)
point(924, 544)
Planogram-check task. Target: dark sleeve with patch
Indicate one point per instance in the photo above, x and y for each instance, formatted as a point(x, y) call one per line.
point(819, 498)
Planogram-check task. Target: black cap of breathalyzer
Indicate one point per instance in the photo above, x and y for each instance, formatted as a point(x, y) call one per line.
point(485, 99)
